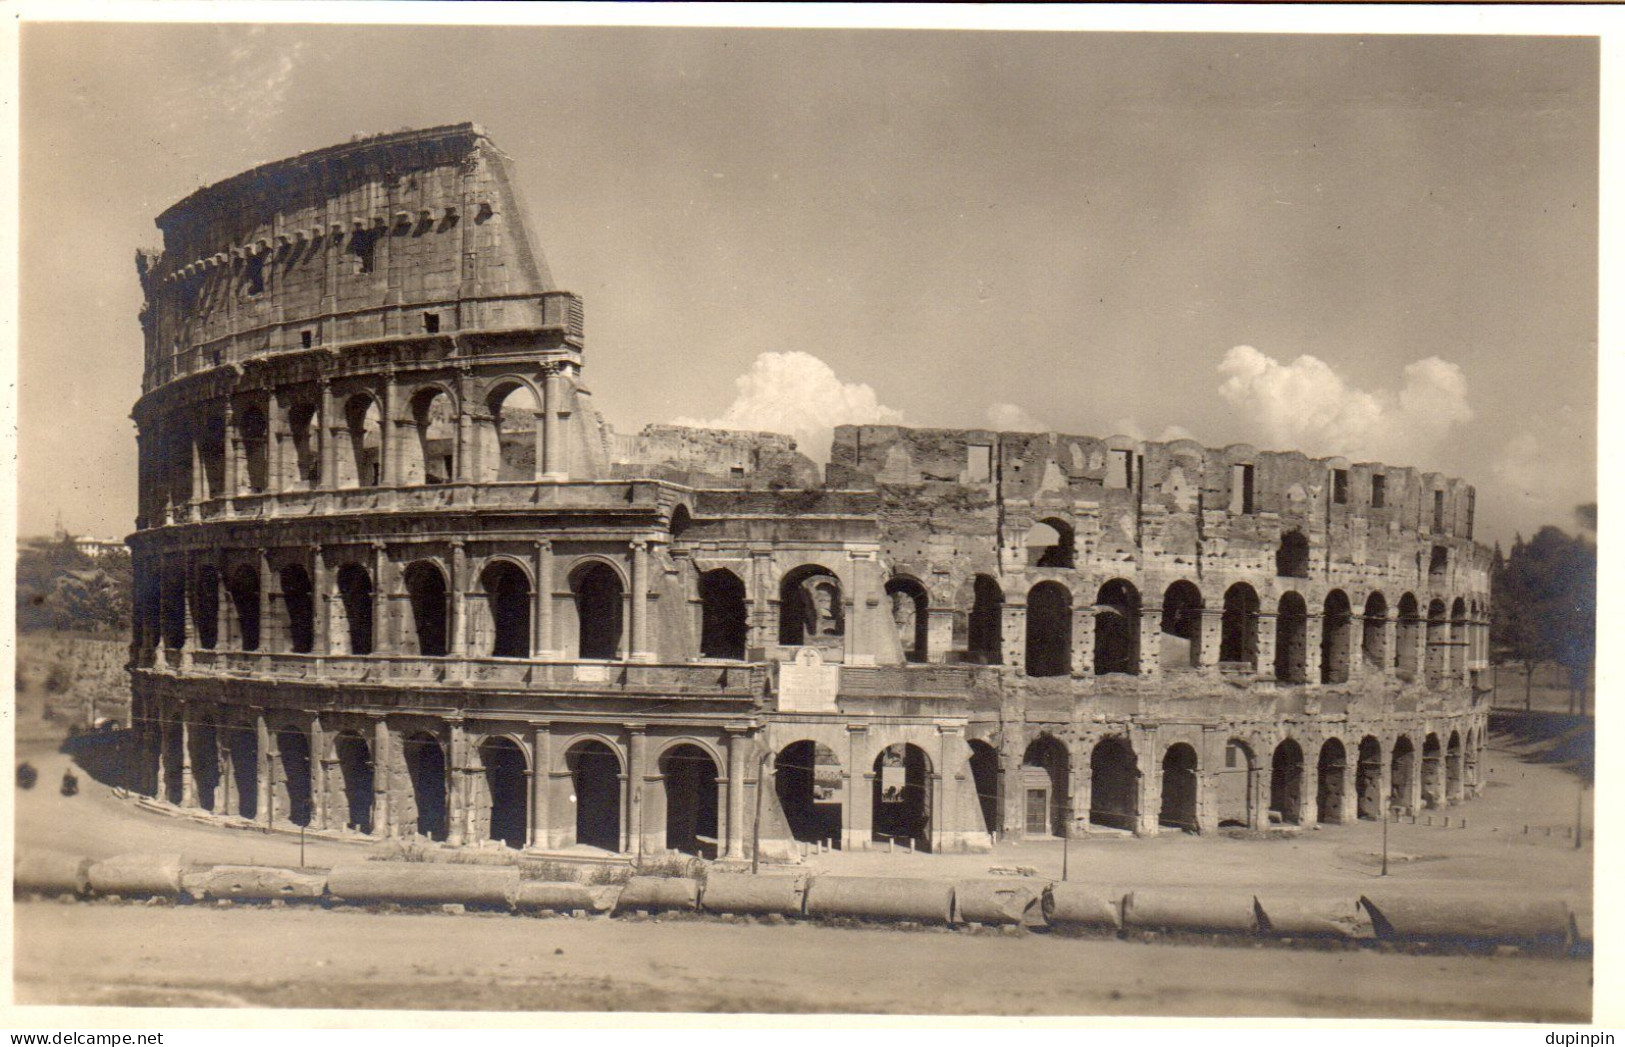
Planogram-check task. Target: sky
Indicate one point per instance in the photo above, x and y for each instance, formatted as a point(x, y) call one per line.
point(1383, 247)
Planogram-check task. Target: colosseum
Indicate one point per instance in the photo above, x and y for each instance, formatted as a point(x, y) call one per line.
point(395, 577)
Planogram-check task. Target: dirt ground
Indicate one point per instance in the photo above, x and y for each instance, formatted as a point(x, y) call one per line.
point(195, 956)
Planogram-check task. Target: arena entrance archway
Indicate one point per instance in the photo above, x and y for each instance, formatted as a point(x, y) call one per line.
point(984, 770)
point(426, 769)
point(1368, 779)
point(1432, 772)
point(902, 796)
point(293, 746)
point(1236, 787)
point(356, 775)
point(505, 782)
point(690, 778)
point(1329, 773)
point(1114, 792)
point(1452, 768)
point(807, 778)
point(1179, 778)
point(1402, 765)
point(1286, 783)
point(205, 755)
point(242, 742)
point(595, 771)
point(1046, 794)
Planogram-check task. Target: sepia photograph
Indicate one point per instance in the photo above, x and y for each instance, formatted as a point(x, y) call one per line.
point(1072, 518)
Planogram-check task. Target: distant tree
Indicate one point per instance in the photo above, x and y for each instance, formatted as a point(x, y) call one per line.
point(1544, 605)
point(59, 587)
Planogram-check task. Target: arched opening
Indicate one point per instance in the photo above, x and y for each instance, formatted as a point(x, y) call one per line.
point(1438, 642)
point(1452, 767)
point(1335, 637)
point(1049, 630)
point(255, 433)
point(298, 609)
point(1286, 784)
point(507, 595)
point(243, 587)
point(1458, 638)
point(1292, 555)
point(984, 771)
point(509, 448)
point(1238, 643)
point(1409, 636)
point(356, 775)
point(810, 607)
point(1051, 543)
point(909, 613)
point(1117, 629)
point(304, 436)
point(206, 607)
point(1374, 632)
point(723, 623)
point(431, 456)
point(426, 769)
point(600, 606)
point(1114, 787)
point(361, 453)
point(355, 603)
point(1329, 782)
point(1432, 772)
point(505, 782)
point(1181, 627)
point(985, 629)
point(1368, 779)
point(595, 772)
point(212, 454)
point(1236, 787)
point(294, 747)
point(1046, 788)
point(902, 796)
point(205, 757)
point(243, 746)
point(1402, 765)
point(690, 779)
point(681, 520)
point(1291, 640)
point(807, 779)
point(1179, 778)
point(427, 601)
point(172, 606)
point(1469, 760)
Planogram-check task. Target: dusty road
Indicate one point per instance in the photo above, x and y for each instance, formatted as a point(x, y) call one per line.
point(203, 956)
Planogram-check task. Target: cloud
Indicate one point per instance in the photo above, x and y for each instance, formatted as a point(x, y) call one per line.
point(1306, 406)
point(798, 394)
point(1013, 418)
point(1131, 427)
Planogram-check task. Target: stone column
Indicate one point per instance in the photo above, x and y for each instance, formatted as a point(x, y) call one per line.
point(1150, 642)
point(538, 438)
point(946, 824)
point(382, 764)
point(541, 776)
point(388, 441)
point(1082, 655)
point(1313, 634)
point(856, 813)
point(276, 451)
point(188, 611)
point(1212, 639)
point(383, 630)
point(318, 771)
point(939, 633)
point(227, 789)
point(234, 450)
point(1013, 625)
point(324, 604)
point(188, 782)
point(270, 636)
point(458, 626)
point(1349, 812)
point(1012, 797)
point(635, 773)
point(327, 430)
point(1266, 645)
point(222, 609)
point(264, 769)
point(463, 468)
point(194, 511)
point(1148, 782)
point(541, 621)
point(1390, 645)
point(763, 629)
point(458, 816)
point(551, 466)
point(735, 846)
point(640, 602)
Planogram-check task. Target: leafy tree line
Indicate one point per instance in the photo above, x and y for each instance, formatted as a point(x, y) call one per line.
point(60, 588)
point(1544, 603)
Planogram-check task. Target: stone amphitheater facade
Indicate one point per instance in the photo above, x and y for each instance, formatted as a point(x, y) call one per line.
point(395, 577)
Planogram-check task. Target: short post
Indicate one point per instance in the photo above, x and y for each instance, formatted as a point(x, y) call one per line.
point(1386, 814)
point(756, 822)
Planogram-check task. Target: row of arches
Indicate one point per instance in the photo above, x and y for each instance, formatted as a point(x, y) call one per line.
point(1252, 788)
point(261, 443)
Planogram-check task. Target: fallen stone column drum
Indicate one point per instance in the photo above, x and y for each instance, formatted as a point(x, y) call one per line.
point(139, 875)
point(424, 883)
point(928, 901)
point(1212, 911)
point(50, 873)
point(1080, 905)
point(753, 895)
point(1005, 901)
point(659, 893)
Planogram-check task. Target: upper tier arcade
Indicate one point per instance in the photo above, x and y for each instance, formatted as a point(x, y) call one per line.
point(390, 237)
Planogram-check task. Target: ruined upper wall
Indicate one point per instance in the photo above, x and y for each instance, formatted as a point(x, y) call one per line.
point(712, 457)
point(413, 233)
point(1168, 495)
